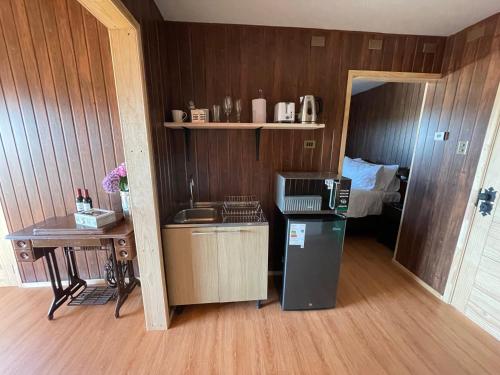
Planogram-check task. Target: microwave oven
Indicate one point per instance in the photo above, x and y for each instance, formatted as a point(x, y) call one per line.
point(312, 192)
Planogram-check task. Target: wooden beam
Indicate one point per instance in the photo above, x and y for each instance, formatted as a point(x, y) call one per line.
point(111, 13)
point(138, 147)
point(128, 68)
point(386, 76)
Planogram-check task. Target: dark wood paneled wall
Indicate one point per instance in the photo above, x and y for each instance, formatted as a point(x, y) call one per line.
point(59, 125)
point(208, 61)
point(383, 123)
point(441, 180)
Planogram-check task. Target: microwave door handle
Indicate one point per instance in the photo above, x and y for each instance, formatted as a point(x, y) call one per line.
point(333, 195)
point(332, 186)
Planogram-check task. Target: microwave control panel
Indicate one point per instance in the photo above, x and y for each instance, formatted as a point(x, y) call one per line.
point(342, 195)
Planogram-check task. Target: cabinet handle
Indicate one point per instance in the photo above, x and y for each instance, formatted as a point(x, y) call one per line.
point(201, 233)
point(234, 231)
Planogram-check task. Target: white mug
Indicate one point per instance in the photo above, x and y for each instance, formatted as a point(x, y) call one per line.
point(178, 115)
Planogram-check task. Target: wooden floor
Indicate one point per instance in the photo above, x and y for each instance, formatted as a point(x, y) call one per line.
point(384, 323)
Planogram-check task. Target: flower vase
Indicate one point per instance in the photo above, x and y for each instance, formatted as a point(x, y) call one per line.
point(125, 198)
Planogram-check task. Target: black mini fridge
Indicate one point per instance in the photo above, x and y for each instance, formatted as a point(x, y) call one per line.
point(311, 260)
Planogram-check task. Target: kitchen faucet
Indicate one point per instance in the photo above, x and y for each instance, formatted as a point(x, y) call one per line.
point(191, 185)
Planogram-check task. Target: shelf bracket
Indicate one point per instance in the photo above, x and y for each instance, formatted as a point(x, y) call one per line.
point(187, 142)
point(257, 143)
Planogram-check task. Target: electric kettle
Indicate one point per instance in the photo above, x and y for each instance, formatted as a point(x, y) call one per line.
point(310, 108)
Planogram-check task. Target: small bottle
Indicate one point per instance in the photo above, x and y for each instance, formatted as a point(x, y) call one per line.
point(79, 200)
point(87, 201)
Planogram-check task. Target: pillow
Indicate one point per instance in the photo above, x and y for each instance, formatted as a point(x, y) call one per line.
point(386, 178)
point(363, 175)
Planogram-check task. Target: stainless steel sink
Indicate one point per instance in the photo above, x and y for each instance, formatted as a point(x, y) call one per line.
point(196, 215)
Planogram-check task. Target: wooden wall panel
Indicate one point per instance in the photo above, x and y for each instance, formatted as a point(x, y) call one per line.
point(59, 126)
point(205, 62)
point(383, 123)
point(441, 180)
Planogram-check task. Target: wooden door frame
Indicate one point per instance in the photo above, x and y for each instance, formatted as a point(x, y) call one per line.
point(386, 76)
point(492, 132)
point(128, 68)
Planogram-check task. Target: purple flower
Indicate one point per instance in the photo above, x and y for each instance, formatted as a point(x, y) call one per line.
point(116, 180)
point(111, 182)
point(122, 170)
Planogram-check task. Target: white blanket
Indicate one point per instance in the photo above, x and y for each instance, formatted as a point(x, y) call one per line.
point(369, 202)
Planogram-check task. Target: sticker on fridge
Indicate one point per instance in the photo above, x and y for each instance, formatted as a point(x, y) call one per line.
point(297, 235)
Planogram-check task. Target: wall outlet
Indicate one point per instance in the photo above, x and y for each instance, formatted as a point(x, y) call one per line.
point(441, 136)
point(462, 147)
point(310, 143)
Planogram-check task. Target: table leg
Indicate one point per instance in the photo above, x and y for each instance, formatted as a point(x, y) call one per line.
point(131, 274)
point(123, 288)
point(55, 281)
point(75, 283)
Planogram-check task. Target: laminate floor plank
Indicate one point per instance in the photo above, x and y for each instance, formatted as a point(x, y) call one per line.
point(384, 323)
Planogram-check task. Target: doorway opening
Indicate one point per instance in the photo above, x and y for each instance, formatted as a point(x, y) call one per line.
point(381, 124)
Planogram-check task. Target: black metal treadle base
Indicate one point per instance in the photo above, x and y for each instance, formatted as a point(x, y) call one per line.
point(98, 295)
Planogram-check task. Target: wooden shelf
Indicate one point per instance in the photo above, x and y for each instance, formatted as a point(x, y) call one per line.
point(257, 127)
point(242, 126)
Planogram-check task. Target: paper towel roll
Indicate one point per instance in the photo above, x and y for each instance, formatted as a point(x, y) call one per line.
point(259, 110)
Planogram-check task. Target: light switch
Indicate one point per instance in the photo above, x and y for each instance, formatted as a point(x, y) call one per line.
point(441, 136)
point(462, 147)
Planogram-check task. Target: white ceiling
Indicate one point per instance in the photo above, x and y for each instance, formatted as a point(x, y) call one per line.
point(421, 17)
point(362, 85)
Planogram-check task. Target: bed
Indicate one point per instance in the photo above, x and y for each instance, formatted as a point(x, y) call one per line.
point(369, 202)
point(372, 186)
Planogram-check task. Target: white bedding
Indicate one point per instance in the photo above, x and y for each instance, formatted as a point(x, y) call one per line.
point(369, 202)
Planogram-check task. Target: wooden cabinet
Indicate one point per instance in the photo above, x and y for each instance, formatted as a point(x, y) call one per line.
point(191, 265)
point(216, 264)
point(242, 253)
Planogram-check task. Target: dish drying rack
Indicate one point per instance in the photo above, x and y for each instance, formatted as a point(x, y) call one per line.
point(242, 209)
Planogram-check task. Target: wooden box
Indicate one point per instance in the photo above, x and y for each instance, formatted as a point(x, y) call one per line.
point(199, 115)
point(95, 218)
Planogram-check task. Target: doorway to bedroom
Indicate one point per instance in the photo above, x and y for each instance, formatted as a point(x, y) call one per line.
point(380, 130)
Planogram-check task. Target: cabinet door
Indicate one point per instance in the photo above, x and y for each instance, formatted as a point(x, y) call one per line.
point(191, 265)
point(242, 263)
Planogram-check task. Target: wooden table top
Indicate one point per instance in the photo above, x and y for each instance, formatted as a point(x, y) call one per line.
point(65, 227)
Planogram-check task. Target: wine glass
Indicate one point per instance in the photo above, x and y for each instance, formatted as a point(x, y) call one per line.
point(238, 110)
point(228, 106)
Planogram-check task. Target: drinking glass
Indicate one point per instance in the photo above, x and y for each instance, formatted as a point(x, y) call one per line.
point(216, 113)
point(228, 106)
point(238, 110)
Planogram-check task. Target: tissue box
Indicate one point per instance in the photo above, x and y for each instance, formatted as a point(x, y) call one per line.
point(95, 218)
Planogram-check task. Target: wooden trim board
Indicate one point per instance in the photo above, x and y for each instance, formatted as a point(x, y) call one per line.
point(9, 271)
point(384, 76)
point(128, 68)
point(417, 279)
